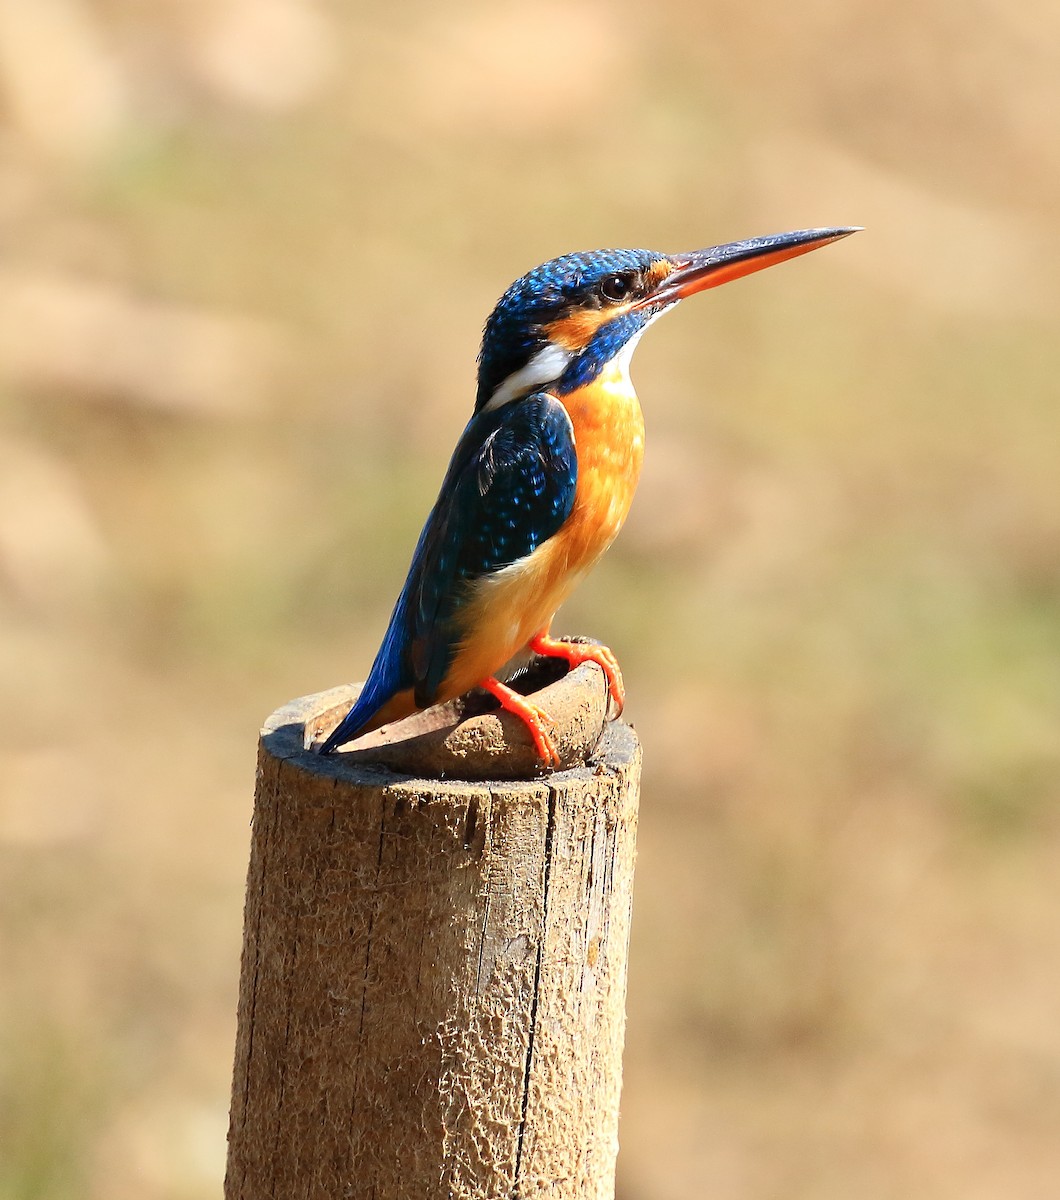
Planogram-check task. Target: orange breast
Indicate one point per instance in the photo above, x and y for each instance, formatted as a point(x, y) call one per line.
point(520, 600)
point(609, 437)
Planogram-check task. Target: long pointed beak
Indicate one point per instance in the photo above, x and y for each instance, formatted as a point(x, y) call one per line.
point(704, 269)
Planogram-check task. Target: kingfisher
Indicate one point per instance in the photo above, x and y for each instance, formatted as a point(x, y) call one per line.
point(541, 479)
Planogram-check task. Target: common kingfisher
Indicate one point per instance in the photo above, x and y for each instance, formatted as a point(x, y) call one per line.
point(541, 479)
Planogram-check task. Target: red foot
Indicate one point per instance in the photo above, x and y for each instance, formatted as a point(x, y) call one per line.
point(578, 652)
point(536, 719)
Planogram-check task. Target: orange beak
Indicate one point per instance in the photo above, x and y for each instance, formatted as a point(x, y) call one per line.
point(704, 269)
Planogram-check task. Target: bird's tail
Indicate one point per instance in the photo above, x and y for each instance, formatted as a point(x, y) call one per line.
point(364, 708)
point(386, 696)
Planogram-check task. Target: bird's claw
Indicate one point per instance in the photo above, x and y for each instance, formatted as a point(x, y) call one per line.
point(577, 653)
point(540, 724)
point(536, 720)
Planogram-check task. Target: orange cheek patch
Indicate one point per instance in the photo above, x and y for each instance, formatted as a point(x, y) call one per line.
point(575, 331)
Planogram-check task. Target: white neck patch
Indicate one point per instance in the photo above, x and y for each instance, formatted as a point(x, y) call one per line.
point(547, 365)
point(620, 363)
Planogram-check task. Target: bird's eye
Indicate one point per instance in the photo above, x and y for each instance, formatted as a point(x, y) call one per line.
point(616, 287)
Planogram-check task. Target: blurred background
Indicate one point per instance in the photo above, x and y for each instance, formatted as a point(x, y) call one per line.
point(246, 250)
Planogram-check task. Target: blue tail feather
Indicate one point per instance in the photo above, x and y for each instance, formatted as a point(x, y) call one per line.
point(387, 677)
point(365, 707)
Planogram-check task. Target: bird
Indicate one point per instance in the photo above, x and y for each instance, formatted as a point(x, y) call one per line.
point(541, 479)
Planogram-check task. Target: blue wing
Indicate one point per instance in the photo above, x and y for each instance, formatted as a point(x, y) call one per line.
point(509, 487)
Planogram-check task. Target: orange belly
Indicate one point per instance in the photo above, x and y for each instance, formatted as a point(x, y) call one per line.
point(520, 600)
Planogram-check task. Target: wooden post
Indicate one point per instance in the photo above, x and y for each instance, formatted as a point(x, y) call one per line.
point(432, 998)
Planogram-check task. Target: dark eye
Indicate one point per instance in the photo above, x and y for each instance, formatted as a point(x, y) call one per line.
point(616, 287)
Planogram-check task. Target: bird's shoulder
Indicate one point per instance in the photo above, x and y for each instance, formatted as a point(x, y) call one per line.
point(509, 487)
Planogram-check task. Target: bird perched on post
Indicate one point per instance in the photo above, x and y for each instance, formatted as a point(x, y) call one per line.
point(541, 479)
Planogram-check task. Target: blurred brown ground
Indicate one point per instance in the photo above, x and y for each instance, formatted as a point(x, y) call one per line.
point(247, 247)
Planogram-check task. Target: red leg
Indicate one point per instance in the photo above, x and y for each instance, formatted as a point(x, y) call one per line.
point(578, 652)
point(535, 718)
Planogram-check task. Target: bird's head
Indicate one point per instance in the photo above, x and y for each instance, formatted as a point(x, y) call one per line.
point(560, 325)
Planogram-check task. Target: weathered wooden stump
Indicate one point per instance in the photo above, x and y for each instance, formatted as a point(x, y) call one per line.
point(432, 998)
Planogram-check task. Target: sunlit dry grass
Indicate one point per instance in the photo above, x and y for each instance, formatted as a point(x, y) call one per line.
point(248, 248)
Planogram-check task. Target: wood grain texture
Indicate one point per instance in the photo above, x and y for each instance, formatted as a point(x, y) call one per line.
point(432, 999)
